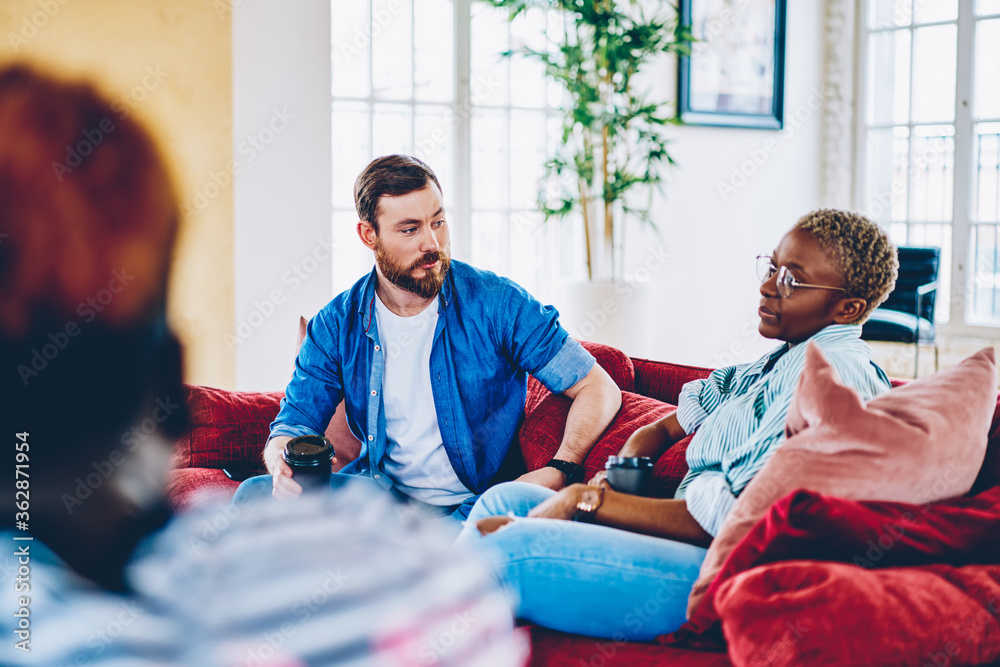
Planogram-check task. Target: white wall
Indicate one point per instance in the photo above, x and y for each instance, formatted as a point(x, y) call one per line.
point(706, 297)
point(282, 191)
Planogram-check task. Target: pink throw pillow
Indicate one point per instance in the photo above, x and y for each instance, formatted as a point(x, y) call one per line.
point(918, 443)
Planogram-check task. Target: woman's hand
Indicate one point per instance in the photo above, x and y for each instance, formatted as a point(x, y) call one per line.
point(492, 524)
point(600, 479)
point(563, 505)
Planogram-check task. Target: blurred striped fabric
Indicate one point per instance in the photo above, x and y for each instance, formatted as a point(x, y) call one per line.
point(345, 578)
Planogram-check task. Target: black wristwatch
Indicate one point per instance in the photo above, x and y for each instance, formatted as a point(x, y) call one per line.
point(573, 471)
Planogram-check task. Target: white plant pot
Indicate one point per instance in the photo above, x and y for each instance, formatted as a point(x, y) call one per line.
point(612, 312)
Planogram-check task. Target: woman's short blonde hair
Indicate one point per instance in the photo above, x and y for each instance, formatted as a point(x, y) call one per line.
point(865, 256)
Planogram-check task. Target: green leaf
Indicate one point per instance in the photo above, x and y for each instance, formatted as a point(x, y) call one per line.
point(609, 43)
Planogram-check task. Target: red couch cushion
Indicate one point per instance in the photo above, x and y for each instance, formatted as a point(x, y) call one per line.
point(868, 534)
point(542, 431)
point(190, 487)
point(807, 613)
point(556, 649)
point(228, 428)
point(670, 468)
point(662, 380)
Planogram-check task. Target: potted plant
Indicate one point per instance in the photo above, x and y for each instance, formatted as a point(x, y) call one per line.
point(613, 146)
point(613, 142)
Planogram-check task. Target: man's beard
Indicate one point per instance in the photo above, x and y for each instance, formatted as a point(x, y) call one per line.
point(402, 277)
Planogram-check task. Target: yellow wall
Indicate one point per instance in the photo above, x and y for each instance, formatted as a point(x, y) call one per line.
point(170, 61)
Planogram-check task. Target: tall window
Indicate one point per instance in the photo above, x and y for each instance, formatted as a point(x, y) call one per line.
point(425, 78)
point(930, 129)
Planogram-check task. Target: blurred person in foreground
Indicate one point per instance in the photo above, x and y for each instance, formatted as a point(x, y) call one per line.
point(94, 570)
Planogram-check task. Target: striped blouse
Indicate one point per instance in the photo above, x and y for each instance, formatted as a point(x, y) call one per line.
point(739, 414)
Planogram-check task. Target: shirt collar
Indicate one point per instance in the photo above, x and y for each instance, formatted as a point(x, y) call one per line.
point(836, 332)
point(828, 333)
point(366, 306)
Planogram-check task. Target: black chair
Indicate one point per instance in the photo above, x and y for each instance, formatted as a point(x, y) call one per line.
point(907, 316)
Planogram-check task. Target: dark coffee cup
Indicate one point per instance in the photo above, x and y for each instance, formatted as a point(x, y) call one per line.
point(309, 458)
point(630, 474)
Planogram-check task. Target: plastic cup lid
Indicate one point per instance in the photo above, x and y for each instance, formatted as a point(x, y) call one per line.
point(308, 449)
point(629, 462)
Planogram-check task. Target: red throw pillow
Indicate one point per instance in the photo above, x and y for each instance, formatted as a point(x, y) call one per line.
point(869, 534)
point(989, 474)
point(228, 428)
point(188, 488)
point(921, 442)
point(670, 469)
point(541, 432)
point(807, 613)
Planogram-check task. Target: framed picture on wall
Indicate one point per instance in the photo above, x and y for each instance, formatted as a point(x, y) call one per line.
point(735, 74)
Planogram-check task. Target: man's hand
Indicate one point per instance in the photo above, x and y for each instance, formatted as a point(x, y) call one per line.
point(285, 488)
point(550, 478)
point(281, 475)
point(563, 505)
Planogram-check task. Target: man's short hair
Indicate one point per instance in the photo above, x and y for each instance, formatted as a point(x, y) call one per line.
point(862, 251)
point(392, 176)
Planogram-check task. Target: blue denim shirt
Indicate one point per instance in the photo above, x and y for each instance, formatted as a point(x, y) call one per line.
point(490, 335)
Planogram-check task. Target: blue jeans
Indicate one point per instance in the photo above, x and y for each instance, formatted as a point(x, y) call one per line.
point(259, 487)
point(585, 578)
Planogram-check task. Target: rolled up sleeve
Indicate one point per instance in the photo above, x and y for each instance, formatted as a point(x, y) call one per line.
point(532, 337)
point(700, 398)
point(570, 365)
point(690, 414)
point(290, 430)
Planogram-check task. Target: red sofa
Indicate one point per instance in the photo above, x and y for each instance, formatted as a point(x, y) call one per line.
point(229, 429)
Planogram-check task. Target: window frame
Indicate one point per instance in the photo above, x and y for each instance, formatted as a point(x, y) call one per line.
point(963, 187)
point(464, 108)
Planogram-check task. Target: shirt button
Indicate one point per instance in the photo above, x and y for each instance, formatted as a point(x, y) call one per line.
point(378, 477)
point(371, 437)
point(377, 348)
point(374, 393)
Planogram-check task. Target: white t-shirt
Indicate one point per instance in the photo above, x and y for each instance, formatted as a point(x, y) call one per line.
point(415, 456)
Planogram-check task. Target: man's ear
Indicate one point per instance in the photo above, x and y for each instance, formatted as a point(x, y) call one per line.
point(367, 234)
point(849, 310)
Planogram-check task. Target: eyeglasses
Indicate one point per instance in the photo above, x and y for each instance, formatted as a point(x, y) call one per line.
point(786, 284)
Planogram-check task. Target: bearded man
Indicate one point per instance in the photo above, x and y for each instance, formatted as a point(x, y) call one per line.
point(431, 358)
